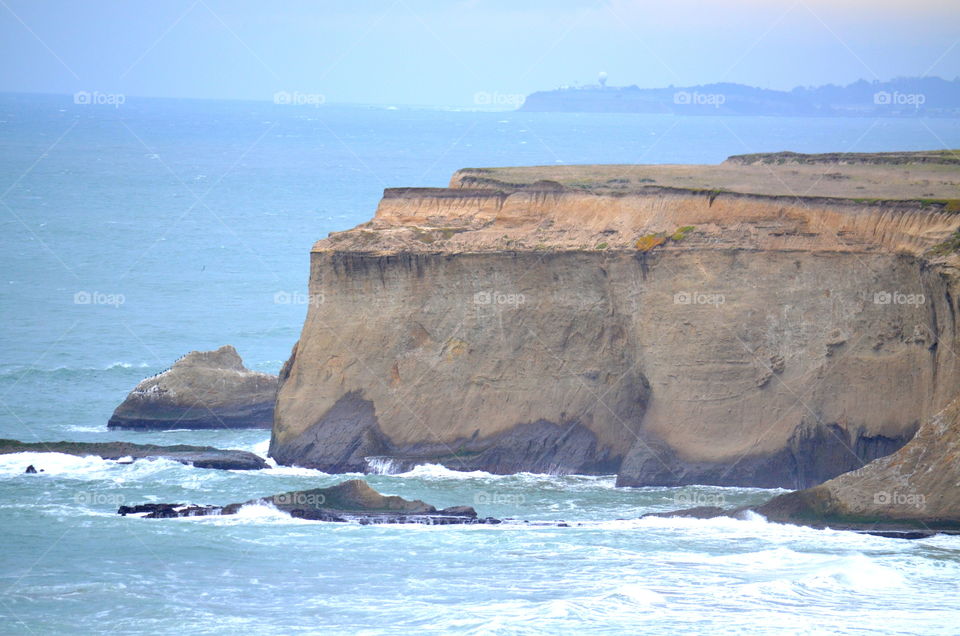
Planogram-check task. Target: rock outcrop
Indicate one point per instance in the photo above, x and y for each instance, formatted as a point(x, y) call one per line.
point(198, 456)
point(352, 500)
point(915, 489)
point(669, 326)
point(203, 389)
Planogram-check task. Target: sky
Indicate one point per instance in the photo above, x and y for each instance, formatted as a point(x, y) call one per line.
point(462, 52)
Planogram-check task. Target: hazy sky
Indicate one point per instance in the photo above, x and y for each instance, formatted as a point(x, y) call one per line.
point(437, 52)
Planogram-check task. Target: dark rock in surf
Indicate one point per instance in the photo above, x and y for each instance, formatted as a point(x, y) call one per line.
point(352, 500)
point(197, 456)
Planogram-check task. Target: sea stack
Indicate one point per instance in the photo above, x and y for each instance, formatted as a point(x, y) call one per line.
point(771, 321)
point(203, 389)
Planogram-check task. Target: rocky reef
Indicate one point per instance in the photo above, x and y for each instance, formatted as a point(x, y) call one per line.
point(198, 456)
point(203, 389)
point(352, 500)
point(771, 321)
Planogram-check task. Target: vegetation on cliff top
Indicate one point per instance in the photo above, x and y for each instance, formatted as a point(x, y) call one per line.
point(932, 175)
point(651, 241)
point(950, 246)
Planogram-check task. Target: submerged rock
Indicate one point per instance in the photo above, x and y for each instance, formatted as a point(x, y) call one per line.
point(203, 389)
point(700, 512)
point(168, 511)
point(352, 500)
point(198, 456)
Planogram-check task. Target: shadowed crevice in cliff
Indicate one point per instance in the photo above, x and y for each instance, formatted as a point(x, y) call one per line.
point(911, 493)
point(813, 454)
point(348, 437)
point(914, 488)
point(339, 441)
point(536, 447)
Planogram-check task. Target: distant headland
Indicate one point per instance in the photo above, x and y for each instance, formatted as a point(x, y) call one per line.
point(901, 97)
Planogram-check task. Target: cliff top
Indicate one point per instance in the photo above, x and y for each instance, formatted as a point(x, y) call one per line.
point(900, 201)
point(226, 357)
point(882, 175)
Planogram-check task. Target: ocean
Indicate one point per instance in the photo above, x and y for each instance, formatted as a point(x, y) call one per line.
point(133, 234)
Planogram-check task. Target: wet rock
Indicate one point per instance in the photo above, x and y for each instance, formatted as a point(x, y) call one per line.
point(349, 501)
point(700, 512)
point(198, 456)
point(168, 511)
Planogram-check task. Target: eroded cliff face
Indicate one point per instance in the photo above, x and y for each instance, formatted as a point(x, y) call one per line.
point(465, 360)
point(751, 339)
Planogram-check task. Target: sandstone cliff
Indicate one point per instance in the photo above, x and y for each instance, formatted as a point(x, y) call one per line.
point(203, 389)
point(647, 320)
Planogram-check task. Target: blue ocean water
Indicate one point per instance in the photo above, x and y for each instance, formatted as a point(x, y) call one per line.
point(131, 235)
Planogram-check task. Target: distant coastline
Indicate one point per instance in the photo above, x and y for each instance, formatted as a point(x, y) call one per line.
point(901, 97)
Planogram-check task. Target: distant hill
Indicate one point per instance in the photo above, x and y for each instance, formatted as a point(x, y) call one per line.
point(901, 97)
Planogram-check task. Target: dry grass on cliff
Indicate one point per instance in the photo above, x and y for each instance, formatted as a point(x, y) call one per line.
point(855, 181)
